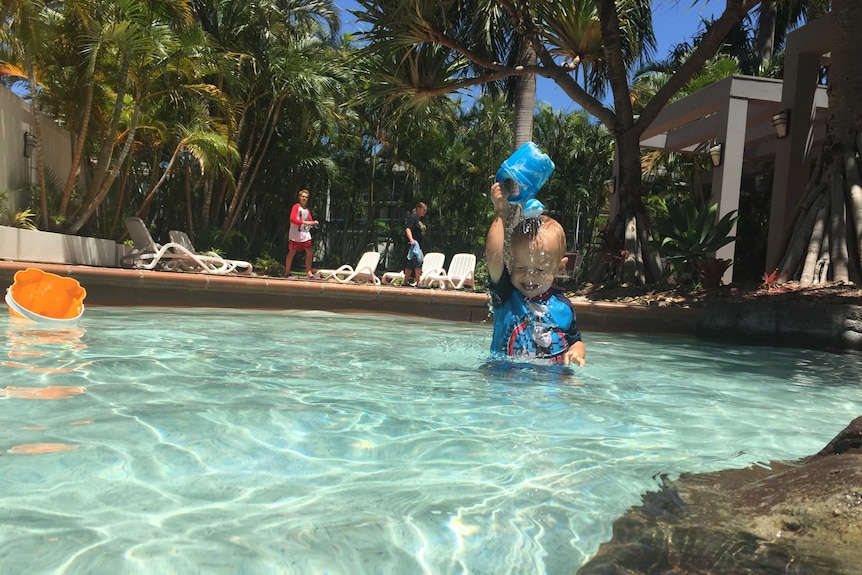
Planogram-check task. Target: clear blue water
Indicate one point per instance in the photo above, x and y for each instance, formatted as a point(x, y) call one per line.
point(216, 441)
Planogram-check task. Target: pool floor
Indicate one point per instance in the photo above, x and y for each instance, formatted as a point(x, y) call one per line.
point(150, 441)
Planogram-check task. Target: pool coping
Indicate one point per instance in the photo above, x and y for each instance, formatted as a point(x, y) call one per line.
point(133, 287)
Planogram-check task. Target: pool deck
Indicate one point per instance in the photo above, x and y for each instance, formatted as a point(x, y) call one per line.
point(129, 288)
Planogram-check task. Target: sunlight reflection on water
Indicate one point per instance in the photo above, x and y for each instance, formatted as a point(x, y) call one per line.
point(217, 441)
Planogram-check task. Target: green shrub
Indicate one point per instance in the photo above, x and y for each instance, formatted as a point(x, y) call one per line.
point(689, 234)
point(268, 266)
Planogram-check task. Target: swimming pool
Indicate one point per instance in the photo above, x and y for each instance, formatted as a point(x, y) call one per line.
point(217, 441)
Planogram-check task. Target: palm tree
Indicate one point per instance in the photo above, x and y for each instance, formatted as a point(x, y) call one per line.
point(583, 152)
point(625, 30)
point(776, 18)
point(207, 148)
point(128, 43)
point(270, 55)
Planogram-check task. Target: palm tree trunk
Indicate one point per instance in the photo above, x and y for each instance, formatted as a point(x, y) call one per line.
point(765, 36)
point(250, 166)
point(145, 205)
point(80, 141)
point(108, 178)
point(40, 149)
point(525, 100)
point(640, 262)
point(187, 184)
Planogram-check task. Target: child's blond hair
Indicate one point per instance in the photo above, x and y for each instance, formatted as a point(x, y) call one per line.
point(541, 230)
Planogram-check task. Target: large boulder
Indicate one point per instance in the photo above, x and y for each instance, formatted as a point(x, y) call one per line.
point(792, 517)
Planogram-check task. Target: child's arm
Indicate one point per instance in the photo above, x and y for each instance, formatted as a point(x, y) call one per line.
point(496, 240)
point(576, 354)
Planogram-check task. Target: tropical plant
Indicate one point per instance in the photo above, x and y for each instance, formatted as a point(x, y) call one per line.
point(472, 33)
point(709, 271)
point(268, 266)
point(688, 234)
point(20, 219)
point(772, 279)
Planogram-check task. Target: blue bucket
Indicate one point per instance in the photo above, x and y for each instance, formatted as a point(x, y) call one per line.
point(529, 168)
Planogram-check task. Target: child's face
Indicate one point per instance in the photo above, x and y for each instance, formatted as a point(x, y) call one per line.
point(532, 266)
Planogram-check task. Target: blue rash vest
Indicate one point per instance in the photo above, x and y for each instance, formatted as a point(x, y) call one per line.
point(541, 327)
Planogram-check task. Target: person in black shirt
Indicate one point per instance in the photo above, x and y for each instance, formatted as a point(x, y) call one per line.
point(414, 231)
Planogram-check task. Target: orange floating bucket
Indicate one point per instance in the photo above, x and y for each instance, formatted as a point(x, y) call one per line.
point(44, 297)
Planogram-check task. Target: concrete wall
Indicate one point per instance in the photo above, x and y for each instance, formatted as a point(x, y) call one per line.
point(51, 248)
point(17, 172)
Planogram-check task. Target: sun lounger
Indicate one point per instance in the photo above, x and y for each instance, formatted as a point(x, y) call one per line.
point(462, 270)
point(363, 272)
point(182, 239)
point(147, 254)
point(431, 264)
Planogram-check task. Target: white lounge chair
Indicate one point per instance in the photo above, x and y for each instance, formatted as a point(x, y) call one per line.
point(182, 239)
point(149, 255)
point(462, 270)
point(363, 272)
point(432, 263)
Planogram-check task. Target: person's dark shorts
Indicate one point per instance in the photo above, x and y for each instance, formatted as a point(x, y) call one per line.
point(413, 263)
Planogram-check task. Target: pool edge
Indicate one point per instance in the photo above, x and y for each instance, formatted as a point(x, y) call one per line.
point(132, 288)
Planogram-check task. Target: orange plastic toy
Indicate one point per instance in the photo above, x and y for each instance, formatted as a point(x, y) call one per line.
point(40, 295)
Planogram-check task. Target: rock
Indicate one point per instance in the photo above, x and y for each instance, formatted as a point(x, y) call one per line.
point(812, 325)
point(796, 517)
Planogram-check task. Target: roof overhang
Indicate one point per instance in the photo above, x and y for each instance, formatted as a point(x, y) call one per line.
point(689, 124)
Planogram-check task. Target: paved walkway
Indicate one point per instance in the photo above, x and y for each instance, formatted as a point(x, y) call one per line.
point(122, 287)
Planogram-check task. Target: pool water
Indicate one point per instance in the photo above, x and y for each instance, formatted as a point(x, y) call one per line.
point(215, 441)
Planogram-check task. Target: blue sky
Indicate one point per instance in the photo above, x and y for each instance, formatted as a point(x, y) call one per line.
point(675, 21)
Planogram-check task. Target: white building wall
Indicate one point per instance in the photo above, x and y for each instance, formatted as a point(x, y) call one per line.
point(16, 171)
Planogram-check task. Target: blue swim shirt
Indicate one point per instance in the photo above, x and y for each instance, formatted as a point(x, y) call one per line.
point(542, 327)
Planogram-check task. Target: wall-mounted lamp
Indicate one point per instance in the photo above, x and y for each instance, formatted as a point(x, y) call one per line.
point(781, 121)
point(715, 155)
point(30, 142)
point(611, 185)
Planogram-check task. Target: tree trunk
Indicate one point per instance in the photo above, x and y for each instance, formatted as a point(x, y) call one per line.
point(765, 38)
point(145, 205)
point(98, 194)
point(641, 263)
point(40, 149)
point(814, 244)
point(256, 153)
point(81, 139)
point(644, 266)
point(187, 185)
point(839, 180)
point(525, 100)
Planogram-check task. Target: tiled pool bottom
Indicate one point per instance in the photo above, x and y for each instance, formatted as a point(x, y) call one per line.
point(219, 441)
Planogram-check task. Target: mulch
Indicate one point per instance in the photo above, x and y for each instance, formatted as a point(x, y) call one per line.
point(829, 293)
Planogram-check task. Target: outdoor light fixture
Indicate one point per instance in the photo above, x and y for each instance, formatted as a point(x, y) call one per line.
point(781, 121)
point(30, 142)
point(611, 185)
point(715, 154)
